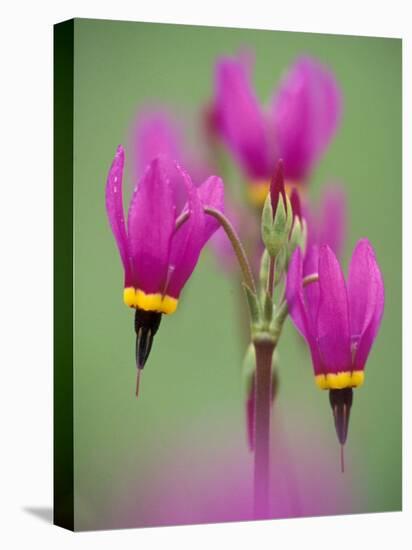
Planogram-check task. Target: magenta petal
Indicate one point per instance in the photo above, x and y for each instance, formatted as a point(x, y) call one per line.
point(297, 307)
point(306, 114)
point(333, 314)
point(239, 118)
point(333, 219)
point(211, 193)
point(151, 223)
point(366, 300)
point(187, 242)
point(312, 291)
point(114, 208)
point(294, 294)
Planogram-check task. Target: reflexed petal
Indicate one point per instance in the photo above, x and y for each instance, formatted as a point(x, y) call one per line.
point(366, 300)
point(211, 193)
point(187, 242)
point(239, 118)
point(151, 224)
point(297, 307)
point(114, 208)
point(332, 228)
point(306, 114)
point(333, 314)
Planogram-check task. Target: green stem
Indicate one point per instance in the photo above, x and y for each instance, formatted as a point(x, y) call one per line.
point(237, 246)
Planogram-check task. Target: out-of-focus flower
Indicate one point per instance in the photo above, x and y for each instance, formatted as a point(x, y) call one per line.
point(298, 128)
point(157, 133)
point(306, 110)
point(154, 134)
point(327, 224)
point(339, 321)
point(242, 123)
point(161, 245)
point(209, 481)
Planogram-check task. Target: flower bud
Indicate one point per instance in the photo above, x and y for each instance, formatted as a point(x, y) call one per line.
point(277, 214)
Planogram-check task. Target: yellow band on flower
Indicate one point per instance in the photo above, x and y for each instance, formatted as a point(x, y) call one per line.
point(341, 380)
point(149, 302)
point(257, 191)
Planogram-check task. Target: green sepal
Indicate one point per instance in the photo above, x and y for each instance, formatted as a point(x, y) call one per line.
point(264, 269)
point(298, 237)
point(267, 309)
point(253, 304)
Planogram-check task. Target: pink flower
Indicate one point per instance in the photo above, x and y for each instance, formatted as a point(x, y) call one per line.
point(157, 258)
point(306, 111)
point(157, 133)
point(339, 320)
point(298, 128)
point(158, 252)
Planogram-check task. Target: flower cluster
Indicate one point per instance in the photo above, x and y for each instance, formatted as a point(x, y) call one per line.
point(292, 245)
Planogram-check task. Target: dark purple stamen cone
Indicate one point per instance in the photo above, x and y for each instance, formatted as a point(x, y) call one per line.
point(341, 403)
point(146, 324)
point(295, 203)
point(277, 187)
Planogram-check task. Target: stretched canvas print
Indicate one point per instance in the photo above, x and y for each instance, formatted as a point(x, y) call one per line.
point(227, 274)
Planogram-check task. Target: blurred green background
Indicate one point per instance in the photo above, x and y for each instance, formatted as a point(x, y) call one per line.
point(179, 452)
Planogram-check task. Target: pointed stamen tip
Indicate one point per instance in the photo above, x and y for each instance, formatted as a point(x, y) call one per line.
point(342, 459)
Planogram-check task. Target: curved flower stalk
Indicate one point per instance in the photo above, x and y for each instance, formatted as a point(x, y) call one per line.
point(339, 320)
point(299, 126)
point(160, 245)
